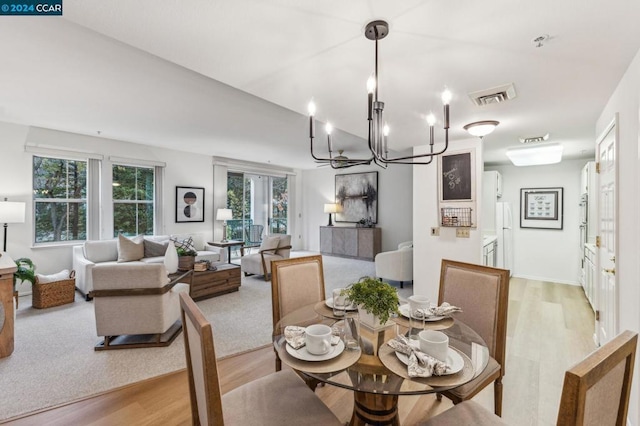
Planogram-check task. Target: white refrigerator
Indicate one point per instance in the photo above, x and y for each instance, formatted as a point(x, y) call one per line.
point(504, 232)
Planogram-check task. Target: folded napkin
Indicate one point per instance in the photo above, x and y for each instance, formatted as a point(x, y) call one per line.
point(444, 310)
point(420, 364)
point(294, 336)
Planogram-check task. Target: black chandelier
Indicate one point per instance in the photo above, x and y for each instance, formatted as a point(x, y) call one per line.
point(378, 129)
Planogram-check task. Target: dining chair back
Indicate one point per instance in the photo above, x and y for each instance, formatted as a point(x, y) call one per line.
point(483, 294)
point(595, 391)
point(276, 399)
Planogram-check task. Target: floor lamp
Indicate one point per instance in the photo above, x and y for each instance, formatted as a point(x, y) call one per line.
point(10, 212)
point(224, 215)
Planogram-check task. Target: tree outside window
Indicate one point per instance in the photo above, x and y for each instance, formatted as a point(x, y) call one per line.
point(60, 199)
point(133, 200)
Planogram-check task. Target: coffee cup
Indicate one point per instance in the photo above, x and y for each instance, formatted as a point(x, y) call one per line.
point(318, 339)
point(434, 343)
point(418, 302)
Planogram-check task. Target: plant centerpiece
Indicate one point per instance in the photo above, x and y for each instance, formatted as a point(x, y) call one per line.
point(26, 272)
point(375, 299)
point(186, 258)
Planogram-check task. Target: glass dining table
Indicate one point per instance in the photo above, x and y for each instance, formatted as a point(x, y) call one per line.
point(376, 374)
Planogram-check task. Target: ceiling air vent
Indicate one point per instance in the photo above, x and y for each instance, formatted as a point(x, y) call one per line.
point(534, 139)
point(494, 95)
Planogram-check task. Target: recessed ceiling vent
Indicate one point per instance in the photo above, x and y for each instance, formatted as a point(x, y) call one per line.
point(534, 139)
point(494, 95)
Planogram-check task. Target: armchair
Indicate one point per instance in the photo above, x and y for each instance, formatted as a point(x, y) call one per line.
point(396, 265)
point(136, 305)
point(273, 247)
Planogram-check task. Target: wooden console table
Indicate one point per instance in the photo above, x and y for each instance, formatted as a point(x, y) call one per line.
point(7, 268)
point(349, 241)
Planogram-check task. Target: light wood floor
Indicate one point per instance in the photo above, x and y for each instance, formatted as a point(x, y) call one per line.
point(550, 328)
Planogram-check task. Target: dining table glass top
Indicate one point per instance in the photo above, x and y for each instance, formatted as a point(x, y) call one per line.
point(375, 367)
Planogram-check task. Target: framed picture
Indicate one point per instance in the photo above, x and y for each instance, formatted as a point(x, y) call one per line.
point(541, 208)
point(189, 204)
point(357, 195)
point(456, 172)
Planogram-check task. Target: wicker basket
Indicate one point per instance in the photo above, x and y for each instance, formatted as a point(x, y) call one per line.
point(54, 294)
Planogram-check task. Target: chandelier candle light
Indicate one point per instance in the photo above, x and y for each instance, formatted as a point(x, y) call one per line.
point(378, 129)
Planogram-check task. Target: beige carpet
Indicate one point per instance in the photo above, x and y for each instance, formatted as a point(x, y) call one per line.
point(54, 361)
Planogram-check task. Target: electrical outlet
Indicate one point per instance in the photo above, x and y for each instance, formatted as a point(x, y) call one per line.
point(462, 232)
point(435, 231)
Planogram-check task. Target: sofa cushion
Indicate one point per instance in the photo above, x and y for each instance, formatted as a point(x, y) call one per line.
point(154, 249)
point(130, 249)
point(101, 251)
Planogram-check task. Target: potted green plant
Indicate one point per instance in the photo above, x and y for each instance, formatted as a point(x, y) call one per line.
point(376, 300)
point(186, 258)
point(26, 272)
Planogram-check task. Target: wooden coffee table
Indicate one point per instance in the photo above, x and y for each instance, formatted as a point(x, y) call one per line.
point(205, 284)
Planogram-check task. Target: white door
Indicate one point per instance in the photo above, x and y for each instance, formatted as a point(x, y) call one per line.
point(607, 294)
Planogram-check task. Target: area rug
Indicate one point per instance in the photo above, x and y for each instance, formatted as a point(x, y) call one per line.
point(54, 361)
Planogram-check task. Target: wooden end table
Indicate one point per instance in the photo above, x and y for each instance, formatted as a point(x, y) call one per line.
point(228, 245)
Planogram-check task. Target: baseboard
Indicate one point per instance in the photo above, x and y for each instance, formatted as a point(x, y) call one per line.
point(548, 279)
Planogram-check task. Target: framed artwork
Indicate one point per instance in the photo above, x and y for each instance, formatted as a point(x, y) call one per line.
point(457, 176)
point(189, 204)
point(357, 195)
point(541, 208)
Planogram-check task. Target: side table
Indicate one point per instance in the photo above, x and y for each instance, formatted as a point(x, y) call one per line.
point(228, 245)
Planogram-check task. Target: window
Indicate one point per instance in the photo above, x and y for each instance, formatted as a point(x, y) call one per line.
point(60, 199)
point(133, 200)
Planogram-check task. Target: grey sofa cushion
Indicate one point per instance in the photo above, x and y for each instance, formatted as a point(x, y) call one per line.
point(154, 249)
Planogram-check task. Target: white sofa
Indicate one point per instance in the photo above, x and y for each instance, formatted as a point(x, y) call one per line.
point(396, 265)
point(93, 252)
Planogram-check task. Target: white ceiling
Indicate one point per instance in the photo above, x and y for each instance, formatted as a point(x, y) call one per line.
point(163, 72)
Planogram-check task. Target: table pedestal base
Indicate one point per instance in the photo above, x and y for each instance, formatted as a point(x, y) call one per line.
point(374, 409)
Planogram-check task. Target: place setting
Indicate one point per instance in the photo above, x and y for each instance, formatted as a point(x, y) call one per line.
point(320, 348)
point(336, 306)
point(419, 311)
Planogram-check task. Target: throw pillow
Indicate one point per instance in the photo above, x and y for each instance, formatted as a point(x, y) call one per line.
point(186, 244)
point(45, 279)
point(269, 243)
point(130, 249)
point(154, 249)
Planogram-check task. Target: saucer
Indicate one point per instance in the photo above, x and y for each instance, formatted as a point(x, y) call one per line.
point(304, 355)
point(329, 303)
point(454, 360)
point(405, 311)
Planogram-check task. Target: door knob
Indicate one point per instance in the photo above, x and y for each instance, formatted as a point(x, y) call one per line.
point(610, 271)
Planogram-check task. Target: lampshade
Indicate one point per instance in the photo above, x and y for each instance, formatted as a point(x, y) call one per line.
point(224, 214)
point(331, 208)
point(12, 212)
point(481, 128)
point(535, 155)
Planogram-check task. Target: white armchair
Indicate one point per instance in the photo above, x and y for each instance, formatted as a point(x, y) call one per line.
point(396, 265)
point(273, 247)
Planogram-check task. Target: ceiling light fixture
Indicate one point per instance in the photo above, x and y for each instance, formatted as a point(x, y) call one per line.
point(536, 155)
point(481, 128)
point(378, 129)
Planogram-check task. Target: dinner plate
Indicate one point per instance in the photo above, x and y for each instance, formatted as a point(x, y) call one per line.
point(405, 311)
point(329, 303)
point(304, 355)
point(454, 360)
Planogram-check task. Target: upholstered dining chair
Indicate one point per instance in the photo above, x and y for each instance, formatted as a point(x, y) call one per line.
point(595, 391)
point(483, 294)
point(277, 399)
point(295, 283)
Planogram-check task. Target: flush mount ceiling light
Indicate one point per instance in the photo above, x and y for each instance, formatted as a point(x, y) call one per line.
point(535, 139)
point(378, 129)
point(535, 155)
point(481, 128)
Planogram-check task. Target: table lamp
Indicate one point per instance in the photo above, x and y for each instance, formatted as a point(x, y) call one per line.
point(331, 208)
point(224, 215)
point(11, 212)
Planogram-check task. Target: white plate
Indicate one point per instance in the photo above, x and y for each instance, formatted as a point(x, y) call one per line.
point(454, 360)
point(405, 311)
point(304, 355)
point(329, 303)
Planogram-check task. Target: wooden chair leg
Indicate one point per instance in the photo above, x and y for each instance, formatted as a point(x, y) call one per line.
point(497, 397)
point(401, 284)
point(439, 396)
point(278, 364)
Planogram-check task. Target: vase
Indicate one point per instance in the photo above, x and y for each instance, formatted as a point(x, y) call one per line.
point(185, 263)
point(371, 321)
point(171, 259)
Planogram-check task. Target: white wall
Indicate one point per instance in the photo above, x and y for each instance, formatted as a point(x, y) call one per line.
point(545, 254)
point(183, 169)
point(428, 250)
point(394, 203)
point(626, 102)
